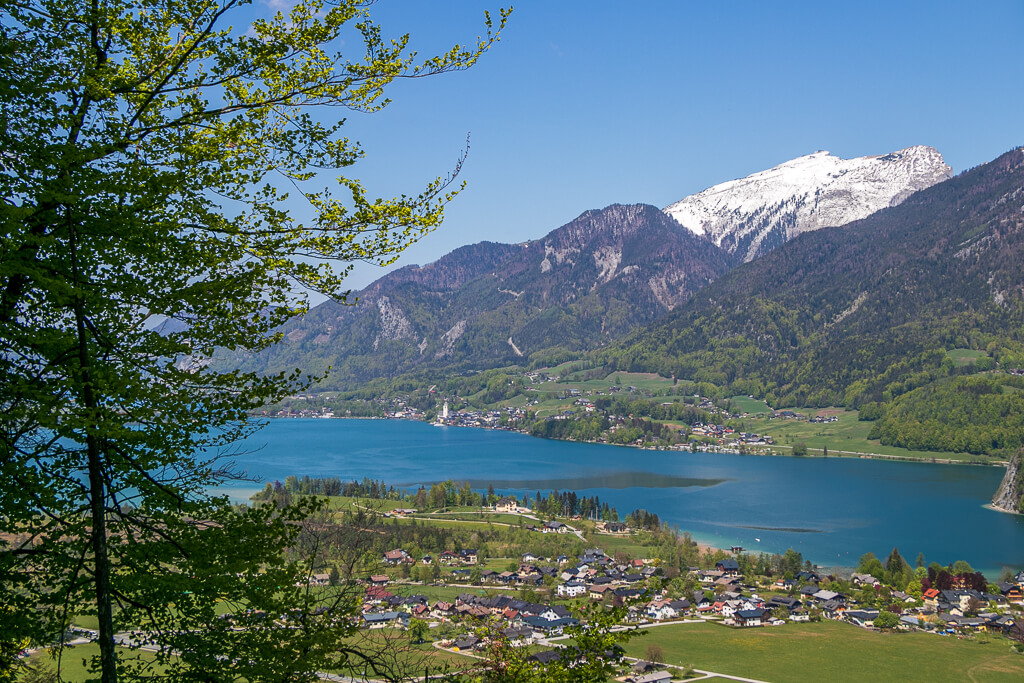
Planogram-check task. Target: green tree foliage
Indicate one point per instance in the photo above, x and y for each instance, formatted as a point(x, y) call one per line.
point(977, 414)
point(144, 145)
point(642, 519)
point(869, 564)
point(586, 427)
point(886, 619)
point(961, 567)
point(898, 572)
point(786, 564)
point(418, 630)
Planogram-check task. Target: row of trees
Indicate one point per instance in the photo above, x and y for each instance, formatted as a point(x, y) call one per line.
point(439, 495)
point(787, 564)
point(642, 519)
point(897, 574)
point(570, 504)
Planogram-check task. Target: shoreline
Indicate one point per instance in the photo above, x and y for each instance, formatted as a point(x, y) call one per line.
point(711, 541)
point(997, 508)
point(860, 455)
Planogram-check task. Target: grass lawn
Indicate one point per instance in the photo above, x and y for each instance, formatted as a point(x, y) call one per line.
point(831, 651)
point(395, 645)
point(346, 503)
point(574, 380)
point(546, 408)
point(642, 381)
point(89, 621)
point(446, 522)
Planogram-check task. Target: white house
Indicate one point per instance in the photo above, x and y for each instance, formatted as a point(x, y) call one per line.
point(571, 589)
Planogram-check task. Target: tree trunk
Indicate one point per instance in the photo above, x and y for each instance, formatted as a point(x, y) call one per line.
point(97, 490)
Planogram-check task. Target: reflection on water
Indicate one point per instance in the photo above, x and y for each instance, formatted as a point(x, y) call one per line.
point(788, 529)
point(611, 480)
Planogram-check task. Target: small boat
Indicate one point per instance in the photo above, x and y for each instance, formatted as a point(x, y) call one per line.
point(758, 540)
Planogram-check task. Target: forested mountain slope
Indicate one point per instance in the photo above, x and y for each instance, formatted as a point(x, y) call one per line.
point(865, 312)
point(488, 304)
point(585, 284)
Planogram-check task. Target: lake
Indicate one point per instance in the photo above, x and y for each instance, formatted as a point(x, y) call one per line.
point(830, 509)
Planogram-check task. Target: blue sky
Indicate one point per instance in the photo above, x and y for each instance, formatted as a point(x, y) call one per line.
point(585, 104)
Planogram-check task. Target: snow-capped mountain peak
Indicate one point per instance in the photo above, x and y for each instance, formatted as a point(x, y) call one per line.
point(753, 215)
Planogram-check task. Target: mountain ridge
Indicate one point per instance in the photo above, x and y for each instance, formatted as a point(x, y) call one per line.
point(575, 289)
point(752, 215)
point(865, 310)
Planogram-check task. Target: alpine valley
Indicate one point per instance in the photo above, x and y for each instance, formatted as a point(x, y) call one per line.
point(880, 284)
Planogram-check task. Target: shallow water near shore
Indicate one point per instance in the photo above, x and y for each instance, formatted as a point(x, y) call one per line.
point(832, 510)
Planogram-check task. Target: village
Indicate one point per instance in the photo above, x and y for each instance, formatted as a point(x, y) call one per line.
point(577, 404)
point(535, 601)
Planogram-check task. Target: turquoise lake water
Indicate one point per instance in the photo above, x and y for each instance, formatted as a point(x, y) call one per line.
point(830, 509)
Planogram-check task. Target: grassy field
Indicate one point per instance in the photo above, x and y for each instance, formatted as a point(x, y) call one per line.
point(550, 394)
point(745, 404)
point(640, 380)
point(848, 434)
point(478, 517)
point(394, 646)
point(831, 651)
point(962, 357)
point(397, 649)
point(346, 503)
point(620, 544)
point(442, 522)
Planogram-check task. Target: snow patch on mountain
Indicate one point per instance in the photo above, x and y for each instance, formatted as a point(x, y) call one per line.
point(753, 215)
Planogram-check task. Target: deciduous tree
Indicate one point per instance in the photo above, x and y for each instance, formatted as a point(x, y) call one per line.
point(152, 156)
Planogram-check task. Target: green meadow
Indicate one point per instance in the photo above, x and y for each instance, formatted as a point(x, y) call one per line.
point(831, 651)
point(847, 437)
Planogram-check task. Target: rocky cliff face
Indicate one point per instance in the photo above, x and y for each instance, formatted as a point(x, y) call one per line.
point(1010, 495)
point(485, 305)
point(753, 215)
